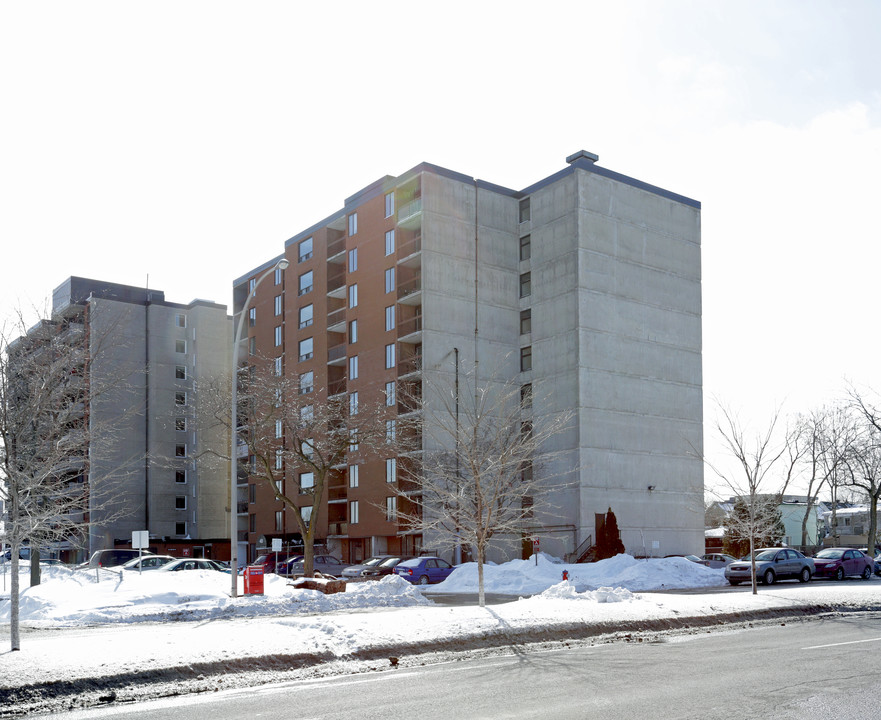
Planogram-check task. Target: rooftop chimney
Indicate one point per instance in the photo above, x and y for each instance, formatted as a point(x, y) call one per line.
point(583, 155)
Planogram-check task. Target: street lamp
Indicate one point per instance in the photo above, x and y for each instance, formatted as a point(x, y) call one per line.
point(234, 433)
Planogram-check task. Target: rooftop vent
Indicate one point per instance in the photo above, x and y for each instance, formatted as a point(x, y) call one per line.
point(582, 155)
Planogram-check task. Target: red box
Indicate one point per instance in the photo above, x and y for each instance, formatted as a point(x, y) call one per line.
point(254, 580)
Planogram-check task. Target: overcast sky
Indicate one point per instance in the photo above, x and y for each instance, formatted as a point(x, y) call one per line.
point(182, 143)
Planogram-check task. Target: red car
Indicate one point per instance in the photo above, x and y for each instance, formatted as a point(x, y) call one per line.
point(839, 563)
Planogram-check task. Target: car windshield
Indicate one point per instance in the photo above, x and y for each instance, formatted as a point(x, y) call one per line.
point(830, 553)
point(766, 555)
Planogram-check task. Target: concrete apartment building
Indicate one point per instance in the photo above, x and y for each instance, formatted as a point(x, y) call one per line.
point(135, 393)
point(586, 284)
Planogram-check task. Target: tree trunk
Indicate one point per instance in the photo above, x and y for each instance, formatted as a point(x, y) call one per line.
point(14, 630)
point(481, 556)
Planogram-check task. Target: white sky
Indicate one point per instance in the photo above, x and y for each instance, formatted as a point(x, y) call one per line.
point(185, 142)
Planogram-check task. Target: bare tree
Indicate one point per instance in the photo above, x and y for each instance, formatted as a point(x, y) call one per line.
point(863, 463)
point(298, 436)
point(488, 468)
point(755, 458)
point(46, 437)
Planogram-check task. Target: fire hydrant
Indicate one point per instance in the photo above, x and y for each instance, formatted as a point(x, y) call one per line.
point(565, 574)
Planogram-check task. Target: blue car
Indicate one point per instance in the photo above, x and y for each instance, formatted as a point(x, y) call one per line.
point(424, 570)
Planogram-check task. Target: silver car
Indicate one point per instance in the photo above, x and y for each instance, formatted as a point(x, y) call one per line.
point(772, 564)
point(718, 560)
point(325, 564)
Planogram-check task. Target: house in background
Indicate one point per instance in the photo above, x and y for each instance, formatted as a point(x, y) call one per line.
point(792, 512)
point(848, 527)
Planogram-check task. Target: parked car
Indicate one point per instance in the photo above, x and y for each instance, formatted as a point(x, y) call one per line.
point(840, 563)
point(386, 567)
point(148, 562)
point(772, 564)
point(114, 558)
point(191, 564)
point(692, 558)
point(273, 562)
point(424, 570)
point(354, 571)
point(718, 560)
point(326, 564)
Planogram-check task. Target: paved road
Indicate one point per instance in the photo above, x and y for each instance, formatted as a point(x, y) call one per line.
point(772, 671)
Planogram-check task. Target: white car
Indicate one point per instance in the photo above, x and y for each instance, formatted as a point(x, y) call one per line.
point(148, 562)
point(191, 564)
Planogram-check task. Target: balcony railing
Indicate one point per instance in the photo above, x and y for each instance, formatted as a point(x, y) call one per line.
point(411, 286)
point(335, 317)
point(410, 325)
point(337, 352)
point(410, 365)
point(336, 246)
point(411, 246)
point(338, 528)
point(337, 492)
point(336, 281)
point(411, 209)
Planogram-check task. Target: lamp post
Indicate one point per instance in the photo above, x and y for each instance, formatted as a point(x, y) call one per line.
point(234, 432)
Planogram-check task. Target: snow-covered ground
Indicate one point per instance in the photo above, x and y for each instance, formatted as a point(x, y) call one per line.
point(137, 624)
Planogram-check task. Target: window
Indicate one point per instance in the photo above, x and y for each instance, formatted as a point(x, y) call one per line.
point(353, 223)
point(252, 493)
point(391, 508)
point(307, 481)
point(389, 242)
point(389, 356)
point(304, 250)
point(278, 336)
point(525, 284)
point(180, 450)
point(252, 523)
point(353, 439)
point(526, 395)
point(525, 321)
point(305, 316)
point(252, 317)
point(279, 429)
point(308, 447)
point(180, 502)
point(180, 424)
point(279, 521)
point(305, 283)
point(306, 514)
point(389, 204)
point(180, 320)
point(353, 367)
point(390, 318)
point(180, 346)
point(353, 476)
point(391, 470)
point(353, 403)
point(252, 346)
point(353, 295)
point(353, 259)
point(180, 372)
point(390, 280)
point(279, 459)
point(180, 528)
point(306, 414)
point(525, 210)
point(180, 476)
point(252, 285)
point(353, 512)
point(305, 349)
point(279, 274)
point(276, 367)
point(526, 358)
point(391, 429)
point(353, 331)
point(278, 305)
point(525, 247)
point(390, 393)
point(180, 398)
point(307, 382)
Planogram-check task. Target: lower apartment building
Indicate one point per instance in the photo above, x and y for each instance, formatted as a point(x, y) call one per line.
point(586, 283)
point(130, 386)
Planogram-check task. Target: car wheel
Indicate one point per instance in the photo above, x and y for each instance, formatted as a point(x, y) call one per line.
point(733, 581)
point(768, 578)
point(423, 580)
point(805, 575)
point(839, 574)
point(867, 572)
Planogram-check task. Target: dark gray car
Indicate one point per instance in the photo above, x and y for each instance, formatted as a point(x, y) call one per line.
point(326, 564)
point(772, 564)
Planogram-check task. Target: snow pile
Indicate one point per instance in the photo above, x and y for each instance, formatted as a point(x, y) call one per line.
point(567, 591)
point(528, 577)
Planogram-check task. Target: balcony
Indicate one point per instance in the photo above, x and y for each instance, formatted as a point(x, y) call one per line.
point(410, 250)
point(337, 529)
point(410, 330)
point(336, 387)
point(337, 493)
point(410, 214)
point(410, 291)
point(336, 285)
point(336, 320)
point(336, 355)
point(410, 365)
point(336, 246)
point(241, 508)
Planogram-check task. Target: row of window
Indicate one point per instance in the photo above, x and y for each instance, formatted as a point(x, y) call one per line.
point(391, 514)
